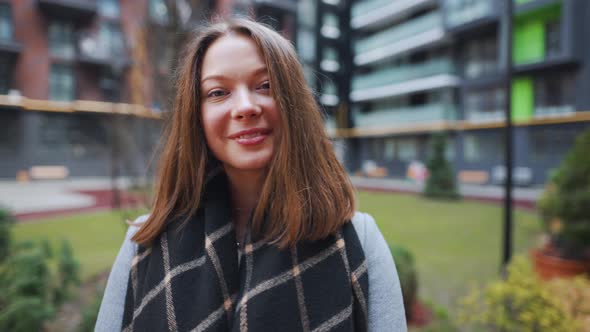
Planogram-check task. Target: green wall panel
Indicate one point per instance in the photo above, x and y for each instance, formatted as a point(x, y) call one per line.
point(523, 99)
point(528, 33)
point(528, 42)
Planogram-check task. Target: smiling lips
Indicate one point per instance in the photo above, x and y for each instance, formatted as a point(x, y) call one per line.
point(250, 136)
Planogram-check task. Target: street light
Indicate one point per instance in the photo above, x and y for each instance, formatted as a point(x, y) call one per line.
point(507, 230)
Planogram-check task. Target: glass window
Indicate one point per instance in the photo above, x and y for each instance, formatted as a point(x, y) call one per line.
point(5, 22)
point(9, 132)
point(551, 143)
point(158, 11)
point(72, 135)
point(483, 147)
point(553, 38)
point(485, 104)
point(5, 74)
point(61, 39)
point(329, 93)
point(330, 27)
point(306, 13)
point(407, 149)
point(306, 45)
point(389, 149)
point(554, 94)
point(330, 59)
point(481, 57)
point(61, 83)
point(109, 8)
point(112, 38)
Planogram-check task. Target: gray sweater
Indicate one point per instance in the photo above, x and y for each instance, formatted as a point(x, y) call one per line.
point(386, 310)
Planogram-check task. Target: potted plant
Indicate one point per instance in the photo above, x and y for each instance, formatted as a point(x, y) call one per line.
point(565, 210)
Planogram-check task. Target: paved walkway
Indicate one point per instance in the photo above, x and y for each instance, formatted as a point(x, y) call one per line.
point(523, 197)
point(38, 199)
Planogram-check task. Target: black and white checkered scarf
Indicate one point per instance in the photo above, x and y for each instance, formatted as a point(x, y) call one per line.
point(191, 279)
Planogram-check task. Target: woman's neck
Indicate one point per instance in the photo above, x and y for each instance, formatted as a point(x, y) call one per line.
point(245, 188)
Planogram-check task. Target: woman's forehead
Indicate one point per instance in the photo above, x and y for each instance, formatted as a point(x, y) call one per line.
point(232, 55)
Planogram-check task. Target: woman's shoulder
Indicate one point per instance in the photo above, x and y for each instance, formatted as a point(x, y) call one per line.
point(364, 225)
point(134, 226)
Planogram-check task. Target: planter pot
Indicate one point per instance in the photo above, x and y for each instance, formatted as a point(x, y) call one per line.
point(549, 267)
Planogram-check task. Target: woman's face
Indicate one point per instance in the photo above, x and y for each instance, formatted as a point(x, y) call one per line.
point(239, 115)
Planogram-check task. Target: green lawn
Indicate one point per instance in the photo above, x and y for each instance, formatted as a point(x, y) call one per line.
point(454, 243)
point(95, 237)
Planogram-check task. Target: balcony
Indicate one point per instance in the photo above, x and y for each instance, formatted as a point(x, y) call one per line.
point(405, 116)
point(10, 47)
point(469, 12)
point(96, 51)
point(375, 13)
point(80, 10)
point(484, 116)
point(426, 30)
point(397, 81)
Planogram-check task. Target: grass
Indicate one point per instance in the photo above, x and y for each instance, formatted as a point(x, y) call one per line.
point(95, 237)
point(455, 244)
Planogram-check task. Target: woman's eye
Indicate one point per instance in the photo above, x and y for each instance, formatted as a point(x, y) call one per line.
point(216, 93)
point(264, 86)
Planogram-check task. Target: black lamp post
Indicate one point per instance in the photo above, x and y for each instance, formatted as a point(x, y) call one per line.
point(507, 229)
point(111, 90)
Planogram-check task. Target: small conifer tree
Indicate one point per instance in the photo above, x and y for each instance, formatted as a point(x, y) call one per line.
point(566, 201)
point(441, 179)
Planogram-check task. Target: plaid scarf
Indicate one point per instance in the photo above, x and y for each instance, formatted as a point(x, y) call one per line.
point(193, 280)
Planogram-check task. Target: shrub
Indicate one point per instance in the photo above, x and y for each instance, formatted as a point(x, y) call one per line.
point(574, 296)
point(519, 303)
point(68, 272)
point(6, 222)
point(565, 204)
point(441, 179)
point(32, 282)
point(406, 269)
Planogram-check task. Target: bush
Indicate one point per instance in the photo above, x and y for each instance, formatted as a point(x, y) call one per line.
point(406, 269)
point(441, 179)
point(519, 303)
point(6, 222)
point(565, 204)
point(574, 296)
point(32, 282)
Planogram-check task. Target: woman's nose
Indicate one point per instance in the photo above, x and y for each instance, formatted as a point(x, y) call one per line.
point(245, 106)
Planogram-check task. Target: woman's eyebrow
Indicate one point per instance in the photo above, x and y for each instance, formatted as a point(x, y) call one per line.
point(257, 72)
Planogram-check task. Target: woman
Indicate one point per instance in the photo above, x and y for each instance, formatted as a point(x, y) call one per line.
point(250, 228)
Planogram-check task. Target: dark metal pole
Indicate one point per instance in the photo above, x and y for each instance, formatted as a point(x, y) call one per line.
point(507, 234)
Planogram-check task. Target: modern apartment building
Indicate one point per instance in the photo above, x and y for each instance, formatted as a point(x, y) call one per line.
point(425, 66)
point(78, 89)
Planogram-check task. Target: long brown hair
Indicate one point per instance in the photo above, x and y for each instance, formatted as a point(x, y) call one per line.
point(306, 195)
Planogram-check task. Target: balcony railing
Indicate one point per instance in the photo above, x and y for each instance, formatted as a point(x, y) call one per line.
point(403, 73)
point(487, 116)
point(554, 111)
point(375, 12)
point(405, 116)
point(399, 39)
point(465, 14)
point(95, 50)
point(399, 81)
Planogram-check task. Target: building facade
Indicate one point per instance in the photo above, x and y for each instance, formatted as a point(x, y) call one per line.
point(79, 92)
point(421, 67)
